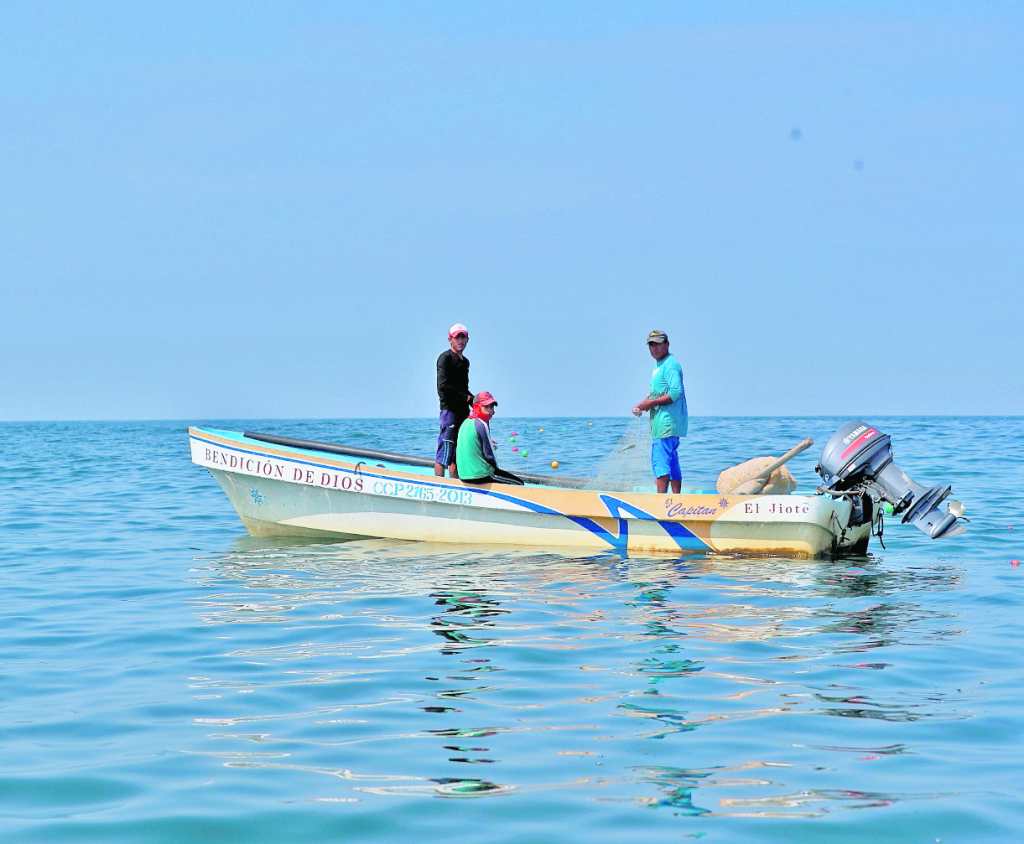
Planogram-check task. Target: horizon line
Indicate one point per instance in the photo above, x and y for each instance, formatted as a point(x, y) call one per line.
point(191, 420)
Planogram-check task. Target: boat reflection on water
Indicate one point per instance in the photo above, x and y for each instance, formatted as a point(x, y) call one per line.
point(595, 672)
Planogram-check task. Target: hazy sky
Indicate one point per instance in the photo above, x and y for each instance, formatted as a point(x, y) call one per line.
point(234, 210)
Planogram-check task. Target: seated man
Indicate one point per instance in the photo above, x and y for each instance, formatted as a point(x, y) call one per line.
point(474, 450)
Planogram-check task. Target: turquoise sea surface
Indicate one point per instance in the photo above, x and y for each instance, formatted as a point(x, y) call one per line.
point(166, 677)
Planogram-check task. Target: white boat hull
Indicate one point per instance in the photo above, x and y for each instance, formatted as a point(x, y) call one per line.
point(280, 490)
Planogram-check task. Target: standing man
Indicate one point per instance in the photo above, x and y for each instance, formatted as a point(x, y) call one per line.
point(454, 395)
point(669, 420)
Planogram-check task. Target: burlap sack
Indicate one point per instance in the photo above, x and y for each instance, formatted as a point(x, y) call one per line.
point(781, 481)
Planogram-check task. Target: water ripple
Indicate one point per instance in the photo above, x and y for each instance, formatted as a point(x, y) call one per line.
point(156, 658)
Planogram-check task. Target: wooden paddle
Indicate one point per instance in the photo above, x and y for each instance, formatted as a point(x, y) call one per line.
point(756, 484)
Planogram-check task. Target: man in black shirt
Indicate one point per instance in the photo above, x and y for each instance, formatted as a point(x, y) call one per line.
point(454, 395)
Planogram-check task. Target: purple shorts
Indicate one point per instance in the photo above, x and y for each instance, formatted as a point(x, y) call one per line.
point(446, 437)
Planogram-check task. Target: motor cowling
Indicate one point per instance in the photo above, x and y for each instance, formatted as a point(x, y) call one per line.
point(858, 459)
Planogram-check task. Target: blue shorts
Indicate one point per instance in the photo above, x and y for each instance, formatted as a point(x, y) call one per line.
point(447, 436)
point(665, 458)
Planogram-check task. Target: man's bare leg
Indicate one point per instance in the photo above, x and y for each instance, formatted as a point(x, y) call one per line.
point(663, 484)
point(439, 470)
point(677, 486)
point(453, 472)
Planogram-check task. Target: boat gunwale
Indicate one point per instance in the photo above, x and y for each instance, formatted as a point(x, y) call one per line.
point(552, 481)
point(648, 500)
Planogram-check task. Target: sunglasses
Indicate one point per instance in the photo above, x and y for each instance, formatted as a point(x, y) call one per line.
point(461, 336)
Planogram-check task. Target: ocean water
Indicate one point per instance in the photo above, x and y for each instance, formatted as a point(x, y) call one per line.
point(165, 677)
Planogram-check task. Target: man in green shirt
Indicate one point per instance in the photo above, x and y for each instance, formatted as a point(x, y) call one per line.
point(666, 402)
point(474, 450)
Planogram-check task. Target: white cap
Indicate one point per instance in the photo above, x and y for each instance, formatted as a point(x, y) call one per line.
point(458, 328)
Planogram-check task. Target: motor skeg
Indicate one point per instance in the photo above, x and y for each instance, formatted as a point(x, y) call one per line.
point(858, 459)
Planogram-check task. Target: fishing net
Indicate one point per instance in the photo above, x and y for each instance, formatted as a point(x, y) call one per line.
point(627, 468)
point(780, 482)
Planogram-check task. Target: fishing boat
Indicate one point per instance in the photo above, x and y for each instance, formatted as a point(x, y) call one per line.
point(282, 486)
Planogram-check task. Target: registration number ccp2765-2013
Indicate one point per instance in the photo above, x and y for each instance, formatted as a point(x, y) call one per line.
point(420, 492)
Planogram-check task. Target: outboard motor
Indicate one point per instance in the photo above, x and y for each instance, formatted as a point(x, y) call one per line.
point(858, 460)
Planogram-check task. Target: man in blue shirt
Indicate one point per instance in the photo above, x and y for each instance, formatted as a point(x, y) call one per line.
point(669, 420)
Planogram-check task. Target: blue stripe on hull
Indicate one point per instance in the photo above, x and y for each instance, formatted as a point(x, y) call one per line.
point(683, 537)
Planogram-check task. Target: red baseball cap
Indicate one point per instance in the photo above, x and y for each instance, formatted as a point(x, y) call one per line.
point(484, 399)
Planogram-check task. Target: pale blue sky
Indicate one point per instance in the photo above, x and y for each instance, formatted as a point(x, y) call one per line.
point(234, 210)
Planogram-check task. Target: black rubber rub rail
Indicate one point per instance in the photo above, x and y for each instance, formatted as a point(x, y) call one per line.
point(408, 459)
